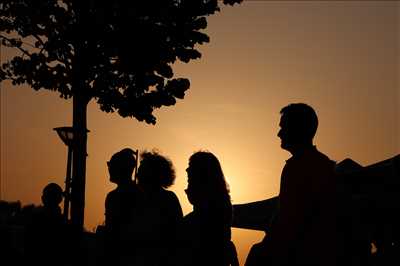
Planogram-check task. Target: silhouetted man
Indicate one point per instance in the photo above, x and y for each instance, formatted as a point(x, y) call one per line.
point(119, 201)
point(119, 207)
point(304, 231)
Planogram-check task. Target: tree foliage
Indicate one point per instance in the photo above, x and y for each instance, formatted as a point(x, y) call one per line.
point(119, 53)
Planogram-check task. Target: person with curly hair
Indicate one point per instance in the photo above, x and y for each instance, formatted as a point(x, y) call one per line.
point(161, 212)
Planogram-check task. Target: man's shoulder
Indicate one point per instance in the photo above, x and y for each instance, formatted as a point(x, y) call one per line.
point(115, 195)
point(312, 159)
point(169, 195)
point(110, 197)
point(112, 193)
point(320, 163)
point(314, 155)
point(318, 155)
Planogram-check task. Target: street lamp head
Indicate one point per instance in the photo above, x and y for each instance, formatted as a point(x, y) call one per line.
point(66, 134)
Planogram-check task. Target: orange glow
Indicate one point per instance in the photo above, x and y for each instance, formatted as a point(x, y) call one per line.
point(340, 57)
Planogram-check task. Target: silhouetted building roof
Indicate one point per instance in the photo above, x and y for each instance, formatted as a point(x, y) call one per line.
point(378, 183)
point(254, 215)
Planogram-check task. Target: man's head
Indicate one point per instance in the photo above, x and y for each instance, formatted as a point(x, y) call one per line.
point(298, 126)
point(121, 166)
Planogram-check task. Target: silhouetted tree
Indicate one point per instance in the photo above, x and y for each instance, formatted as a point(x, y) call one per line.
point(119, 53)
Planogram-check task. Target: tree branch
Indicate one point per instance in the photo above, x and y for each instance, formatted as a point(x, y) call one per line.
point(39, 39)
point(7, 76)
point(25, 52)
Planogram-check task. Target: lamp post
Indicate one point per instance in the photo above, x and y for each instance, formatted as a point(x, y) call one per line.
point(66, 134)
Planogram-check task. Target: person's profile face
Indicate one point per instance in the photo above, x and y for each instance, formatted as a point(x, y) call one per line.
point(189, 195)
point(284, 133)
point(191, 175)
point(190, 191)
point(112, 171)
point(189, 170)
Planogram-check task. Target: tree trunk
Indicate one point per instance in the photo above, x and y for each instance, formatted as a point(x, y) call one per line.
point(81, 98)
point(79, 160)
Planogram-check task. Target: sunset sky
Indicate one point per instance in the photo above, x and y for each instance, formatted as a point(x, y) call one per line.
point(341, 57)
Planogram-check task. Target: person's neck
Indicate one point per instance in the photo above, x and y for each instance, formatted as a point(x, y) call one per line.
point(125, 182)
point(150, 187)
point(301, 148)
